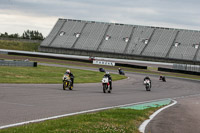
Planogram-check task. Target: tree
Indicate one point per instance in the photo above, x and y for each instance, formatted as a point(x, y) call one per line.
point(28, 34)
point(32, 35)
point(4, 35)
point(16, 35)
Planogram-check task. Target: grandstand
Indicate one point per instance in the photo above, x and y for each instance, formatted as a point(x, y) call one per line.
point(116, 40)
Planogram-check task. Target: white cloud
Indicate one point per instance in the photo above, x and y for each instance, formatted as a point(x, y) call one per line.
point(20, 15)
point(18, 22)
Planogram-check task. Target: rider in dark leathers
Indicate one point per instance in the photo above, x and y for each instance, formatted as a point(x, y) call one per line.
point(162, 78)
point(147, 78)
point(119, 69)
point(109, 78)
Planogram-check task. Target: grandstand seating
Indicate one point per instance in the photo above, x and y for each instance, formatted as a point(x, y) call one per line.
point(48, 40)
point(137, 42)
point(160, 43)
point(91, 36)
point(145, 41)
point(198, 56)
point(68, 39)
point(186, 49)
point(117, 34)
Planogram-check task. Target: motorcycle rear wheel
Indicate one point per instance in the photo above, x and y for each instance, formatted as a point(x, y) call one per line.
point(70, 87)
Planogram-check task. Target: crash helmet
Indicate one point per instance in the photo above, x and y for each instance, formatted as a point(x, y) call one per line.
point(67, 71)
point(107, 72)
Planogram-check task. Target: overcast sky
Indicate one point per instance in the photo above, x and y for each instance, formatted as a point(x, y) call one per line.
point(16, 16)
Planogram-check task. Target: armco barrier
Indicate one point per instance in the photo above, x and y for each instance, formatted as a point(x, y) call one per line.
point(18, 63)
point(178, 71)
point(46, 56)
point(187, 67)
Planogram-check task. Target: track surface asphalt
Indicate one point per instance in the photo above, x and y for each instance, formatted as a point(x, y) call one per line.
point(184, 117)
point(24, 102)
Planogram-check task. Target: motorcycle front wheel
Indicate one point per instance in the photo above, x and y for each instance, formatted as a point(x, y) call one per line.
point(147, 88)
point(64, 85)
point(105, 88)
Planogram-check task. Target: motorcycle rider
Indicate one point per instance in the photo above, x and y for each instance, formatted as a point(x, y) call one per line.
point(162, 78)
point(71, 76)
point(107, 74)
point(147, 78)
point(121, 72)
point(119, 69)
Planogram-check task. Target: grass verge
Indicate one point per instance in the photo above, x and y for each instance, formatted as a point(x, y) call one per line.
point(108, 121)
point(47, 74)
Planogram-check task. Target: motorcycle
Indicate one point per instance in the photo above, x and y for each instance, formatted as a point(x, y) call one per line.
point(67, 83)
point(162, 78)
point(121, 72)
point(147, 84)
point(106, 85)
point(102, 70)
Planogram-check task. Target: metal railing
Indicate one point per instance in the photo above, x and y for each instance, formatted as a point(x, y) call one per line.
point(18, 63)
point(186, 67)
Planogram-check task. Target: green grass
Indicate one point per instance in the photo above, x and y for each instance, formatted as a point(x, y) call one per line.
point(18, 45)
point(108, 121)
point(47, 74)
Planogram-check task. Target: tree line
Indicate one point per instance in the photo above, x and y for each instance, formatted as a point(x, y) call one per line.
point(28, 34)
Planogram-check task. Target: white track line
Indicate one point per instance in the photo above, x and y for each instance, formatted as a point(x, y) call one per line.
point(81, 112)
point(145, 123)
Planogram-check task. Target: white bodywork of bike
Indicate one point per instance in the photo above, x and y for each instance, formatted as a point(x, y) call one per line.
point(146, 82)
point(105, 80)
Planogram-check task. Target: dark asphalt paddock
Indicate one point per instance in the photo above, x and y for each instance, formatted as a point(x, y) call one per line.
point(24, 102)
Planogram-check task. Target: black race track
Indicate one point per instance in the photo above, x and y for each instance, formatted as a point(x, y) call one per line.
point(24, 102)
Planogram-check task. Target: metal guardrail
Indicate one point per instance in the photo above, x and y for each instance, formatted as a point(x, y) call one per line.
point(187, 67)
point(3, 52)
point(18, 63)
